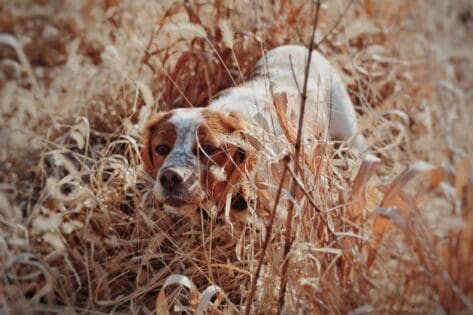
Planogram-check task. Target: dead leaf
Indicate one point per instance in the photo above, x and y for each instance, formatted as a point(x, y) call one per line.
point(395, 199)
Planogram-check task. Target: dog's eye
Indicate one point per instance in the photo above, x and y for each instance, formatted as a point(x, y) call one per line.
point(162, 149)
point(208, 149)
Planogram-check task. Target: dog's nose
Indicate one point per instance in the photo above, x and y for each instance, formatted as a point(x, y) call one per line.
point(171, 178)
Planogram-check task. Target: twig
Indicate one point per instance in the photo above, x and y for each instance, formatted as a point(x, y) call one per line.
point(154, 33)
point(294, 16)
point(269, 232)
point(269, 227)
point(221, 60)
point(340, 18)
point(147, 54)
point(289, 219)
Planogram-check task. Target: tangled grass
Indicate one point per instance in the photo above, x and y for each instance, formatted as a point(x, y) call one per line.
point(80, 232)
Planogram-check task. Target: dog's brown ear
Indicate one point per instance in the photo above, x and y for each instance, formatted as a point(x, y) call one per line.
point(147, 149)
point(244, 161)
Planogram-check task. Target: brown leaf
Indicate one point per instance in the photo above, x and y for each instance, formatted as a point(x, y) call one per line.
point(461, 179)
point(359, 191)
point(395, 198)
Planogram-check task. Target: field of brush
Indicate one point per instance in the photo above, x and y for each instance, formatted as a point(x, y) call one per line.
point(81, 233)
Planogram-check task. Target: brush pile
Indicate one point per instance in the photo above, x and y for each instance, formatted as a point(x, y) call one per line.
point(80, 231)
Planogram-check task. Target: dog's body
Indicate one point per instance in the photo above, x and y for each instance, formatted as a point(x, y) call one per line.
point(282, 70)
point(198, 155)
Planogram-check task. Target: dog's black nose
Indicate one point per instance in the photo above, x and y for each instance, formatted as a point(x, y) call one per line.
point(171, 178)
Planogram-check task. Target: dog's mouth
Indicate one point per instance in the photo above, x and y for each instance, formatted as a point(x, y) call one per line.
point(176, 201)
point(177, 197)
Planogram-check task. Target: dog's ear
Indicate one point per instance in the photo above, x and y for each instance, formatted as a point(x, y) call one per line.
point(243, 161)
point(147, 149)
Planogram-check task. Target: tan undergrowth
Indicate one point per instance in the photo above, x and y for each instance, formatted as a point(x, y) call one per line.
point(81, 233)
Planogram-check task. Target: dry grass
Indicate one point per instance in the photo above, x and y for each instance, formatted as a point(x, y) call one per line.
point(80, 233)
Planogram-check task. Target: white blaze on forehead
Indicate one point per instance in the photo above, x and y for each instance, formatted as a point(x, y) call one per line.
point(186, 122)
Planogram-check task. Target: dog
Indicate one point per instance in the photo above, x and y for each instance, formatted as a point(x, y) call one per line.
point(198, 156)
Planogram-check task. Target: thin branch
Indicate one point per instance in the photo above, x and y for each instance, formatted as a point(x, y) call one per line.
point(221, 60)
point(296, 26)
point(340, 18)
point(269, 228)
point(289, 219)
point(269, 232)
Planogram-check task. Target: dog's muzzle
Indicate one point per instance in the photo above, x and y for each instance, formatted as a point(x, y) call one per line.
point(177, 186)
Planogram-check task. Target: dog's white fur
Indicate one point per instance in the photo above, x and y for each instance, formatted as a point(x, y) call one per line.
point(326, 96)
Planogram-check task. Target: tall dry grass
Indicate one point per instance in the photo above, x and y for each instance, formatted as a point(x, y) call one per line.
point(79, 229)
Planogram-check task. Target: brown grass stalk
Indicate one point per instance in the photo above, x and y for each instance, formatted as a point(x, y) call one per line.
point(288, 237)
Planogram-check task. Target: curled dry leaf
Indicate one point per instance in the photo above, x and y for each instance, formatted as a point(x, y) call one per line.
point(48, 221)
point(80, 132)
point(187, 30)
point(145, 111)
point(280, 106)
point(394, 198)
point(227, 33)
point(360, 186)
point(205, 300)
point(363, 309)
point(362, 27)
point(6, 210)
point(7, 39)
point(55, 240)
point(162, 304)
point(462, 180)
point(198, 301)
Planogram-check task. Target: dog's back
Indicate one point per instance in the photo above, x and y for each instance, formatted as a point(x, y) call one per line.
point(282, 71)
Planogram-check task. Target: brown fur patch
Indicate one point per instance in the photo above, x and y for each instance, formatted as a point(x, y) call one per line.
point(229, 156)
point(157, 131)
point(218, 123)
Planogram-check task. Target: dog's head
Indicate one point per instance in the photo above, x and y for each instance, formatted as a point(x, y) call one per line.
point(195, 156)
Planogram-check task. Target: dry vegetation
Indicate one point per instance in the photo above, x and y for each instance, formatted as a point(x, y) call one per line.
point(80, 233)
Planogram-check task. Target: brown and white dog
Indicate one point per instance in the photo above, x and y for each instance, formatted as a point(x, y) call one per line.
point(198, 156)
